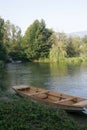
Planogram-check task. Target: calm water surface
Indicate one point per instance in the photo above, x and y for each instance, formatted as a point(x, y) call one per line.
point(70, 79)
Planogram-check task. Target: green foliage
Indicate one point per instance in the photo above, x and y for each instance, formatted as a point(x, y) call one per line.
point(38, 43)
point(83, 50)
point(2, 47)
point(37, 40)
point(14, 41)
point(19, 113)
point(84, 39)
point(58, 50)
point(70, 48)
point(83, 47)
point(16, 45)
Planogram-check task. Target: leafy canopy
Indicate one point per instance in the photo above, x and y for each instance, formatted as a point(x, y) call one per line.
point(37, 40)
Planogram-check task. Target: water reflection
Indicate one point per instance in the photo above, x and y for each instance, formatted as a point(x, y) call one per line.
point(71, 79)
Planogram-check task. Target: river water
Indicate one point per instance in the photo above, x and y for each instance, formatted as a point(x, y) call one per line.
point(69, 79)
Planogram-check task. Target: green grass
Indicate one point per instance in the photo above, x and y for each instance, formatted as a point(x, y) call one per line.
point(18, 113)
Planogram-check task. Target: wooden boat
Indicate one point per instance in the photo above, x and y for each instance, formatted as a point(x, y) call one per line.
point(59, 100)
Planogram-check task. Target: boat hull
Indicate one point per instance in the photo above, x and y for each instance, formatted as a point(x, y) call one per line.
point(58, 100)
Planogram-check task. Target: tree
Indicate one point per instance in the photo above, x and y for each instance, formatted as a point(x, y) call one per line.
point(83, 47)
point(3, 53)
point(58, 50)
point(37, 40)
point(73, 46)
point(70, 49)
point(13, 40)
point(84, 39)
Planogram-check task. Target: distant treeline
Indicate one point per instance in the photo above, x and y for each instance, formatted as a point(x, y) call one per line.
point(38, 42)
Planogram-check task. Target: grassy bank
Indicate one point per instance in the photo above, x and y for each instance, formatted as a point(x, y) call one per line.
point(70, 60)
point(22, 114)
point(75, 60)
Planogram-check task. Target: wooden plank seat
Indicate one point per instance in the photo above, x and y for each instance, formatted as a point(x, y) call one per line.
point(42, 95)
point(64, 100)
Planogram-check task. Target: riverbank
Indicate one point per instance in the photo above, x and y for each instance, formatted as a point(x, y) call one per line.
point(69, 60)
point(20, 113)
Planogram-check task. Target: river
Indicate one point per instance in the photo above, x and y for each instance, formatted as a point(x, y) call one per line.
point(69, 79)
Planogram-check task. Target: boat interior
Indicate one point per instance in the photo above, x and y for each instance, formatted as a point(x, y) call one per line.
point(52, 97)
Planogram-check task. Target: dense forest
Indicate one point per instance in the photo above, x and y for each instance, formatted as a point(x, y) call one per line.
point(38, 42)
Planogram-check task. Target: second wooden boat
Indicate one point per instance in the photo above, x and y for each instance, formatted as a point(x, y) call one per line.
point(59, 100)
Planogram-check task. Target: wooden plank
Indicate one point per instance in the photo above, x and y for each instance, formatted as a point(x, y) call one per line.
point(81, 103)
point(37, 93)
point(64, 100)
